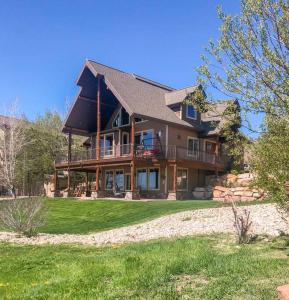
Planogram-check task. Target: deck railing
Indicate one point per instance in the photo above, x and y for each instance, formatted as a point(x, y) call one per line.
point(170, 152)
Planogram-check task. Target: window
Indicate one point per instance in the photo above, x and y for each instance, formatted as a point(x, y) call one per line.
point(138, 120)
point(116, 122)
point(108, 180)
point(182, 180)
point(124, 117)
point(119, 180)
point(191, 112)
point(154, 178)
point(121, 119)
point(125, 148)
point(107, 142)
point(141, 179)
point(145, 138)
point(193, 147)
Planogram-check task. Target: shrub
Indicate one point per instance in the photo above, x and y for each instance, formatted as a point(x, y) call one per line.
point(23, 216)
point(242, 225)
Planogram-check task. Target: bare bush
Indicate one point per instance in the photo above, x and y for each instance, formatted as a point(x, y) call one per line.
point(23, 216)
point(242, 224)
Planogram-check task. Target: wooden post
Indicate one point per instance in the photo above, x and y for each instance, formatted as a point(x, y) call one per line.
point(175, 179)
point(132, 177)
point(132, 138)
point(86, 181)
point(55, 180)
point(68, 180)
point(97, 179)
point(132, 171)
point(98, 120)
point(69, 147)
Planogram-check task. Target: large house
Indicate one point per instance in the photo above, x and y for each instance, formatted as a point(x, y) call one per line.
point(142, 139)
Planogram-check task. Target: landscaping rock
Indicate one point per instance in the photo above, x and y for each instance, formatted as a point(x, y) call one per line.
point(266, 220)
point(283, 292)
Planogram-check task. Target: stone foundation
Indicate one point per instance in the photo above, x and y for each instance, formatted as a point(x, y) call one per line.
point(203, 193)
point(55, 194)
point(98, 195)
point(225, 194)
point(132, 195)
point(172, 196)
point(67, 194)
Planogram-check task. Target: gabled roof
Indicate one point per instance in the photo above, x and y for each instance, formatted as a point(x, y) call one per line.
point(138, 95)
point(179, 96)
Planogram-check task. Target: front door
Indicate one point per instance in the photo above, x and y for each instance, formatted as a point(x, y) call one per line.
point(125, 147)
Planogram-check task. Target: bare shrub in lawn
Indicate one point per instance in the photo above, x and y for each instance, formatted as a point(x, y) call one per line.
point(23, 216)
point(242, 225)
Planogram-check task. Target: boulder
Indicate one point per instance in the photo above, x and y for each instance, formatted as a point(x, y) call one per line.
point(221, 188)
point(244, 176)
point(283, 292)
point(231, 178)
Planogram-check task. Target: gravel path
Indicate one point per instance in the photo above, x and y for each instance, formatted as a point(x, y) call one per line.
point(265, 217)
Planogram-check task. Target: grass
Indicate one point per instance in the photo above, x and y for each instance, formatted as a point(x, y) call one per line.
point(190, 268)
point(82, 217)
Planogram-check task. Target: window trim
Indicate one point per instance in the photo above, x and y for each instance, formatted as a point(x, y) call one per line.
point(113, 144)
point(141, 134)
point(114, 178)
point(192, 118)
point(120, 113)
point(105, 172)
point(136, 173)
point(148, 180)
point(187, 187)
point(193, 138)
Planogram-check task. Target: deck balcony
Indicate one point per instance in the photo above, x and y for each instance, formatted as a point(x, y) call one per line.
point(141, 152)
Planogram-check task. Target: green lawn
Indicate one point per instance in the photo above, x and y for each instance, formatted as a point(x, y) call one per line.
point(78, 216)
point(190, 268)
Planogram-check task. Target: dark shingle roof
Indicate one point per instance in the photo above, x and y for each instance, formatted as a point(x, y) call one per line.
point(179, 96)
point(138, 95)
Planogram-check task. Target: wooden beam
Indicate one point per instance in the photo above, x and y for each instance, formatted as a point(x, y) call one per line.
point(98, 120)
point(97, 179)
point(55, 180)
point(175, 179)
point(132, 137)
point(69, 146)
point(86, 181)
point(132, 171)
point(68, 180)
point(93, 101)
point(132, 176)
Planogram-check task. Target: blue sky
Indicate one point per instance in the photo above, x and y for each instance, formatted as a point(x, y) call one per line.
point(43, 44)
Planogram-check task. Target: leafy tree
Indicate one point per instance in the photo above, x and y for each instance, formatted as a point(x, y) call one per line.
point(12, 142)
point(46, 142)
point(250, 63)
point(270, 159)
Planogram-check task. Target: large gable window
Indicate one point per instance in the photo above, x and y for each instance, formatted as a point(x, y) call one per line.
point(191, 112)
point(121, 119)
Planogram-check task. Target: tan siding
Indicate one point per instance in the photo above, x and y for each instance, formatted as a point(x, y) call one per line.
point(156, 126)
point(178, 136)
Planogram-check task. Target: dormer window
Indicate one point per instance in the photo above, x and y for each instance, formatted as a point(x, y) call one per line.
point(121, 119)
point(191, 112)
